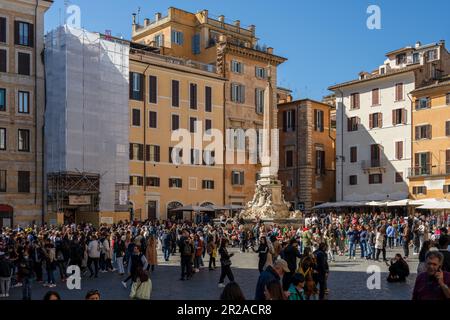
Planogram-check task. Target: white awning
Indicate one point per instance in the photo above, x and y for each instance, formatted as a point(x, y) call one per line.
point(436, 205)
point(399, 203)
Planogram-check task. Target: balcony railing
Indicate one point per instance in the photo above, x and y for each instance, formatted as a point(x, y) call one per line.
point(373, 164)
point(428, 171)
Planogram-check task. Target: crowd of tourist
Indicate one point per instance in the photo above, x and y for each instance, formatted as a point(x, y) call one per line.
point(293, 261)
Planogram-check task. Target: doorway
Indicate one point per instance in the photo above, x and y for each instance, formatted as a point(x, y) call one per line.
point(152, 206)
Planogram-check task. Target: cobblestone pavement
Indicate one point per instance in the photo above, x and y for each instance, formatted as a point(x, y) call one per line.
point(347, 281)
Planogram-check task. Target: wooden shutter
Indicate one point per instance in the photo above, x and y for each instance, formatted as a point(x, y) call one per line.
point(2, 29)
point(394, 117)
point(24, 63)
point(357, 100)
point(131, 85)
point(3, 61)
point(284, 121)
point(293, 119)
point(175, 93)
point(147, 153)
point(153, 85)
point(380, 120)
point(141, 152)
point(375, 95)
point(417, 132)
point(447, 128)
point(16, 32)
point(429, 131)
point(242, 92)
point(371, 120)
point(31, 35)
point(349, 124)
point(208, 99)
point(315, 120)
point(399, 150)
point(404, 113)
point(447, 161)
point(241, 178)
point(131, 151)
point(157, 153)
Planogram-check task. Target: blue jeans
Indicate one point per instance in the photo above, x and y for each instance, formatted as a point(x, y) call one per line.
point(363, 246)
point(352, 249)
point(166, 251)
point(26, 289)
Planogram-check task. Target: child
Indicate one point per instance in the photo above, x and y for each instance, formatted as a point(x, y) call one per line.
point(296, 291)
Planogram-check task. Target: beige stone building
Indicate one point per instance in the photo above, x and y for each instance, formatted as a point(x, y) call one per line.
point(167, 94)
point(21, 110)
point(235, 52)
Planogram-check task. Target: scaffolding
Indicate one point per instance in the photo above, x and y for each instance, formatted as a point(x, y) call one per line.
point(86, 119)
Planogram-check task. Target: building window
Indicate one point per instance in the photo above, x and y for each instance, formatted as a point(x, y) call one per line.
point(375, 155)
point(423, 132)
point(177, 37)
point(2, 99)
point(159, 40)
point(175, 93)
point(447, 128)
point(398, 177)
point(352, 124)
point(420, 190)
point(175, 158)
point(289, 183)
point(24, 140)
point(2, 138)
point(353, 180)
point(376, 120)
point(399, 150)
point(208, 126)
point(153, 119)
point(195, 157)
point(353, 154)
point(2, 180)
point(260, 73)
point(23, 63)
point(237, 178)
point(400, 58)
point(320, 162)
point(446, 188)
point(192, 124)
point(354, 101)
point(136, 85)
point(423, 103)
point(136, 151)
point(237, 67)
point(375, 178)
point(24, 34)
point(3, 32)
point(175, 122)
point(399, 116)
point(152, 153)
point(289, 120)
point(289, 158)
point(193, 96)
point(237, 93)
point(259, 100)
point(416, 57)
point(208, 184)
point(24, 181)
point(208, 99)
point(136, 181)
point(136, 117)
point(399, 92)
point(422, 162)
point(3, 60)
point(24, 102)
point(153, 182)
point(175, 183)
point(318, 120)
point(431, 55)
point(375, 97)
point(153, 87)
point(196, 43)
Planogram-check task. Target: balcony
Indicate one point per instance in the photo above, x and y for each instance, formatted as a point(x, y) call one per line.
point(374, 165)
point(428, 171)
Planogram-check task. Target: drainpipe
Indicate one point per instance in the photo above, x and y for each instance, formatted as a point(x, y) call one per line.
point(36, 112)
point(412, 135)
point(342, 144)
point(333, 139)
point(145, 139)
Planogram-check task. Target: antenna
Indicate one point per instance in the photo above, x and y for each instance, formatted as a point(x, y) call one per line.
point(139, 15)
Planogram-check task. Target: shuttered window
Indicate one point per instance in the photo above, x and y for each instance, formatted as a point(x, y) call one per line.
point(2, 138)
point(447, 128)
point(237, 178)
point(177, 157)
point(399, 116)
point(398, 177)
point(193, 96)
point(3, 60)
point(376, 120)
point(153, 120)
point(175, 122)
point(153, 182)
point(423, 132)
point(192, 124)
point(352, 124)
point(152, 153)
point(354, 101)
point(320, 162)
point(196, 43)
point(399, 91)
point(208, 184)
point(237, 93)
point(23, 181)
point(375, 97)
point(289, 158)
point(175, 183)
point(136, 151)
point(2, 29)
point(2, 99)
point(136, 86)
point(175, 93)
point(208, 99)
point(399, 150)
point(153, 87)
point(136, 117)
point(24, 63)
point(353, 154)
point(23, 33)
point(375, 155)
point(375, 178)
point(318, 120)
point(353, 180)
point(3, 181)
point(420, 190)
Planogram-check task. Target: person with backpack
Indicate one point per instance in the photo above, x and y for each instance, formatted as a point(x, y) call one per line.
point(137, 261)
point(186, 246)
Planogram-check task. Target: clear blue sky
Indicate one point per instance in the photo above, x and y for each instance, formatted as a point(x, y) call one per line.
point(326, 42)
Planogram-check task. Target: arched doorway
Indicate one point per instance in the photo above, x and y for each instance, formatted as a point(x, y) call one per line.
point(6, 216)
point(174, 215)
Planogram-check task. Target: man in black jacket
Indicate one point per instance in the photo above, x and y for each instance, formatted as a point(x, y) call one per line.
point(290, 254)
point(186, 251)
point(322, 269)
point(5, 275)
point(280, 267)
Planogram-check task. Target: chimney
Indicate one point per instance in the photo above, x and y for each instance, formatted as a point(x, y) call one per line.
point(205, 14)
point(252, 28)
point(146, 22)
point(222, 19)
point(418, 44)
point(157, 16)
point(237, 23)
point(270, 50)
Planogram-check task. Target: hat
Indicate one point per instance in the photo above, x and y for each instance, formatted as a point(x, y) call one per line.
point(283, 264)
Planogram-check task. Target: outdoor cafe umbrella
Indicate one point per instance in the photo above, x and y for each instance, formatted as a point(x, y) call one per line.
point(193, 208)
